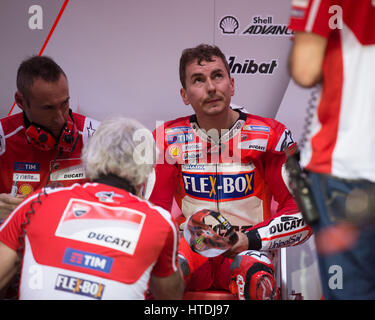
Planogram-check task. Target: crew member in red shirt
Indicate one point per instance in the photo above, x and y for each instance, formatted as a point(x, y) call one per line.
point(334, 48)
point(42, 144)
point(98, 240)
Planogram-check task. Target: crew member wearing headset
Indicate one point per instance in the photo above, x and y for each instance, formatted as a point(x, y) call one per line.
point(42, 144)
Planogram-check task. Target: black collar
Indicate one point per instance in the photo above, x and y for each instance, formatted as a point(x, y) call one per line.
point(116, 181)
point(243, 116)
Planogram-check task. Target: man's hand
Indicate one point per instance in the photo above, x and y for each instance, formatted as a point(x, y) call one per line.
point(168, 288)
point(8, 259)
point(241, 245)
point(8, 203)
point(306, 58)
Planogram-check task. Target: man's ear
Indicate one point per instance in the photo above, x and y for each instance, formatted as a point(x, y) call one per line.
point(232, 84)
point(184, 96)
point(20, 100)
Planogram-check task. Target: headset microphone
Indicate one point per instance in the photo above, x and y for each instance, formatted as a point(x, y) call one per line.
point(43, 139)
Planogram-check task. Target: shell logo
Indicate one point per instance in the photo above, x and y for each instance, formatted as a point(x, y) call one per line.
point(174, 151)
point(25, 189)
point(229, 24)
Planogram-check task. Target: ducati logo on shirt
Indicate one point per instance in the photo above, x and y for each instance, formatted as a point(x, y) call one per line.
point(79, 209)
point(116, 228)
point(221, 187)
point(67, 169)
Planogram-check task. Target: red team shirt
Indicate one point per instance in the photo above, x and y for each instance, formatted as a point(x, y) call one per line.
point(237, 177)
point(29, 166)
point(342, 140)
point(91, 241)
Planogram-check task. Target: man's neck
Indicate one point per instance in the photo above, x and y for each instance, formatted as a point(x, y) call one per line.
point(218, 122)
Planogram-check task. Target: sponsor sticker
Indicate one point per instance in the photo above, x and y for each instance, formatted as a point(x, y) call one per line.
point(192, 155)
point(285, 141)
point(87, 260)
point(67, 169)
point(254, 144)
point(96, 226)
point(79, 286)
point(79, 209)
point(174, 151)
point(25, 189)
point(289, 241)
point(191, 147)
point(287, 224)
point(27, 166)
point(219, 187)
point(72, 173)
point(177, 129)
point(27, 177)
point(250, 127)
point(180, 138)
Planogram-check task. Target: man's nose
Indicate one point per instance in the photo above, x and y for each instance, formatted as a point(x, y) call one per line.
point(210, 86)
point(60, 116)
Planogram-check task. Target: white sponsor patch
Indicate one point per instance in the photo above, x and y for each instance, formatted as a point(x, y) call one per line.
point(71, 173)
point(249, 127)
point(191, 147)
point(95, 225)
point(30, 177)
point(177, 129)
point(192, 155)
point(255, 144)
point(300, 3)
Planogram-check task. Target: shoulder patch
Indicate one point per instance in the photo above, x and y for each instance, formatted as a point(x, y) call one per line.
point(89, 128)
point(285, 141)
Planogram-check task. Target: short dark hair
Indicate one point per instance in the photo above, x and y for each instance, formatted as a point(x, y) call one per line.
point(202, 52)
point(37, 67)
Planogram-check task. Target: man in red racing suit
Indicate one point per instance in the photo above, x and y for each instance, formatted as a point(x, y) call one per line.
point(236, 172)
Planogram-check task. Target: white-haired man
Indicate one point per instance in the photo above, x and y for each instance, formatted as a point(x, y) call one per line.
point(99, 240)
